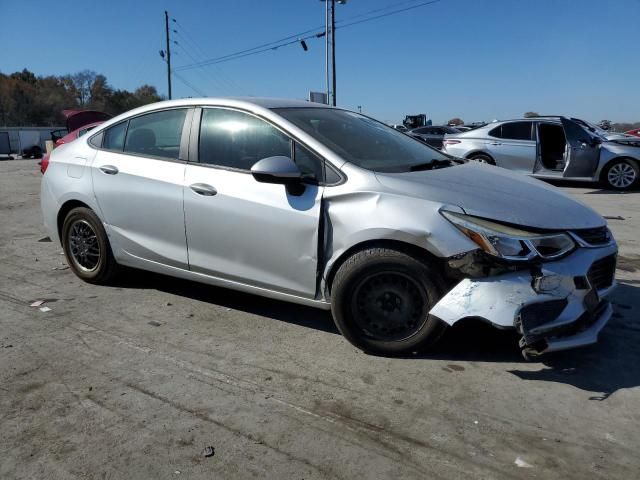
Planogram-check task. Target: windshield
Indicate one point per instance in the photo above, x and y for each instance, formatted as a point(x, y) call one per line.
point(363, 141)
point(594, 129)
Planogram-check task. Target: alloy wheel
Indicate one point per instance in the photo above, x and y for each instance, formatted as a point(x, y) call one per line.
point(621, 175)
point(84, 246)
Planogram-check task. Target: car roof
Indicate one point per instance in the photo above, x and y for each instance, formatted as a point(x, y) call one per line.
point(264, 102)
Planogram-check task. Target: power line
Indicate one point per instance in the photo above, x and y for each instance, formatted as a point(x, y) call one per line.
point(285, 41)
point(188, 84)
point(224, 80)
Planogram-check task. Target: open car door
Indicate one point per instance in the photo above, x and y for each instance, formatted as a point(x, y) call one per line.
point(583, 150)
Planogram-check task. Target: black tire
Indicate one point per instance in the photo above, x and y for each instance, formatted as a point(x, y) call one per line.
point(79, 223)
point(482, 158)
point(36, 152)
point(619, 182)
point(390, 317)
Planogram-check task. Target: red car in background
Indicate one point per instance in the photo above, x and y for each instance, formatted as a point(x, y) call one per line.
point(78, 122)
point(635, 132)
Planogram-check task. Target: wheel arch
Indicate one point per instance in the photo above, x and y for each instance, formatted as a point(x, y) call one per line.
point(480, 152)
point(409, 248)
point(605, 166)
point(64, 211)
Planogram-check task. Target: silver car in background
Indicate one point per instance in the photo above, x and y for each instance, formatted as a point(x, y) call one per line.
point(553, 148)
point(329, 208)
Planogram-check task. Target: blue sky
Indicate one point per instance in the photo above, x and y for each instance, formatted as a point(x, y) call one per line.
point(475, 59)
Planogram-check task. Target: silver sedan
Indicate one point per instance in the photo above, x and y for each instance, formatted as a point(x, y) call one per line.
point(553, 148)
point(329, 208)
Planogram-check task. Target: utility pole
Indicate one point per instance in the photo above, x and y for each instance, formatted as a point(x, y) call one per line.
point(326, 51)
point(333, 49)
point(166, 27)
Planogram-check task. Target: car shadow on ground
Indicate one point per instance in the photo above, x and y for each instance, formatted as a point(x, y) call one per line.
point(611, 364)
point(596, 188)
point(278, 310)
point(602, 369)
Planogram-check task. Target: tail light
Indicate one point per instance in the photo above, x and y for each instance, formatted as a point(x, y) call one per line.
point(450, 142)
point(44, 163)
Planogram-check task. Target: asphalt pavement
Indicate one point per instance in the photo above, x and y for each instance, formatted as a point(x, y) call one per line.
point(136, 380)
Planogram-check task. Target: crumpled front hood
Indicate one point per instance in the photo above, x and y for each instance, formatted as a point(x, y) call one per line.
point(497, 194)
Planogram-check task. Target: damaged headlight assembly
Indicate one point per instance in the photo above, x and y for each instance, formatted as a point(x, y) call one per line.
point(511, 243)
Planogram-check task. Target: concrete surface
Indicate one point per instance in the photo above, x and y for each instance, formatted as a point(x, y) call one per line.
point(134, 381)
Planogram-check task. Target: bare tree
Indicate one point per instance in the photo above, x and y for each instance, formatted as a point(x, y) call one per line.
point(454, 122)
point(83, 81)
point(531, 114)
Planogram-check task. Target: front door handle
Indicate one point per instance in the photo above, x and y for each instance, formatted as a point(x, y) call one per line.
point(203, 189)
point(496, 143)
point(109, 169)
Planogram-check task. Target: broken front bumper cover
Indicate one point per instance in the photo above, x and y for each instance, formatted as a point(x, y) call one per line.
point(555, 306)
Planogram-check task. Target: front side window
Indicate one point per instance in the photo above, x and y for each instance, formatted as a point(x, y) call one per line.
point(233, 139)
point(308, 163)
point(361, 140)
point(114, 137)
point(156, 134)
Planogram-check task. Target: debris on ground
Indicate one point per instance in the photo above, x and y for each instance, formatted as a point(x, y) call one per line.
point(61, 267)
point(613, 217)
point(45, 239)
point(169, 304)
point(154, 323)
point(37, 303)
point(44, 309)
point(208, 451)
point(522, 464)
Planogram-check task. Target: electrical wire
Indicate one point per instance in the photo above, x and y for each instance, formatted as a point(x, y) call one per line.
point(283, 41)
point(188, 84)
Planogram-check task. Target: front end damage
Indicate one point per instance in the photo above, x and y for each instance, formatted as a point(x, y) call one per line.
point(554, 305)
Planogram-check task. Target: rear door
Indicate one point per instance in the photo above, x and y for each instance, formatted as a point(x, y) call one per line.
point(241, 230)
point(583, 153)
point(138, 176)
point(512, 145)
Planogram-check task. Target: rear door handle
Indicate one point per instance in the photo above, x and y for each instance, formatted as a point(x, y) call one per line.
point(496, 143)
point(109, 169)
point(203, 189)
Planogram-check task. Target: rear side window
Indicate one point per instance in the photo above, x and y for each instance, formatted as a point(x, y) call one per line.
point(513, 131)
point(229, 138)
point(114, 137)
point(156, 134)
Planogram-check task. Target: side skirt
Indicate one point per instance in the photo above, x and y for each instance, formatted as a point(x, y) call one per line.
point(130, 260)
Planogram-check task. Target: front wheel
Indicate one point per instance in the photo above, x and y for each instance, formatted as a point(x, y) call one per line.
point(621, 174)
point(381, 300)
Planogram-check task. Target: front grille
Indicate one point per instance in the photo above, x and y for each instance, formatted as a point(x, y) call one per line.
point(602, 272)
point(594, 236)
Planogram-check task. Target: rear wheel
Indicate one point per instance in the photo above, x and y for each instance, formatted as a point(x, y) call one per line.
point(621, 174)
point(87, 248)
point(482, 158)
point(381, 300)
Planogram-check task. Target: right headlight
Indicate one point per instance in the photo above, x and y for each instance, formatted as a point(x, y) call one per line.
point(511, 243)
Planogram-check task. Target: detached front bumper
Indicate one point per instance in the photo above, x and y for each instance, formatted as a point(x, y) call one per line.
point(560, 305)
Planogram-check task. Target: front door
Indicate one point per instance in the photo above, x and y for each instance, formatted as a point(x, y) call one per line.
point(138, 180)
point(583, 152)
point(237, 228)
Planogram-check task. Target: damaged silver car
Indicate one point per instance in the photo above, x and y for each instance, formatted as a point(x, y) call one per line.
point(329, 208)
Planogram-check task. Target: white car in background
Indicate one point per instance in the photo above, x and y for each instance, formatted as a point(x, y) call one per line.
point(553, 148)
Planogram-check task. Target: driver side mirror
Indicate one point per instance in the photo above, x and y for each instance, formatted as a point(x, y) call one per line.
point(279, 169)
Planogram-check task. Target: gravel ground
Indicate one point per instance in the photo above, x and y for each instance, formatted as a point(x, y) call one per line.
point(134, 381)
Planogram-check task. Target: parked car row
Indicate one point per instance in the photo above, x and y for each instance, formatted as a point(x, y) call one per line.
point(329, 208)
